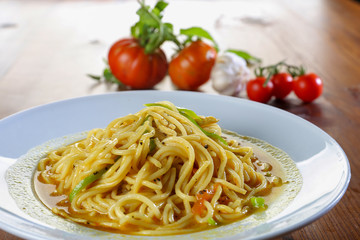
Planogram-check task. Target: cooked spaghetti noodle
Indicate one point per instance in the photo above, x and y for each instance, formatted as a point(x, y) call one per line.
point(163, 170)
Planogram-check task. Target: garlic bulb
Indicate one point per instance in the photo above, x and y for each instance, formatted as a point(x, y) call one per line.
point(229, 74)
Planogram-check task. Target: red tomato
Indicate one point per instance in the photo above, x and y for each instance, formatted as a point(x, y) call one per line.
point(131, 66)
point(257, 92)
point(308, 87)
point(283, 85)
point(192, 66)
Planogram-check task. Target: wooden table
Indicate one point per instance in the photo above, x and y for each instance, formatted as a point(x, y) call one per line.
point(48, 47)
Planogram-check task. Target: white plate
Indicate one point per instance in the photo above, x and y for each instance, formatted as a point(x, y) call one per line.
point(321, 161)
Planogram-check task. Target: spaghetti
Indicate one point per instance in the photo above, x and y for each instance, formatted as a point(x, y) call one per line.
point(161, 171)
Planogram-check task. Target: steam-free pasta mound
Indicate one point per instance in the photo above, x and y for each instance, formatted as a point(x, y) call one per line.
point(163, 170)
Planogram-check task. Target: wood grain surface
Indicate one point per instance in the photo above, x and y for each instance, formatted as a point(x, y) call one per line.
point(47, 48)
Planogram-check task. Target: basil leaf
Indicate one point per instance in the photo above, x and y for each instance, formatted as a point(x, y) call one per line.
point(147, 18)
point(199, 32)
point(95, 77)
point(136, 29)
point(109, 77)
point(245, 55)
point(160, 6)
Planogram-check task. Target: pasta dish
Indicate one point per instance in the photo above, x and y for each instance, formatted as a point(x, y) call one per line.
point(163, 170)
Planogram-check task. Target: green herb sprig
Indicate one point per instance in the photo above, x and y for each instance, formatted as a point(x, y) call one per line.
point(150, 30)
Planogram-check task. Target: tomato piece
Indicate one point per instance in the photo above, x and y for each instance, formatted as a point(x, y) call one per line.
point(204, 195)
point(198, 207)
point(283, 84)
point(130, 64)
point(308, 87)
point(192, 66)
point(256, 90)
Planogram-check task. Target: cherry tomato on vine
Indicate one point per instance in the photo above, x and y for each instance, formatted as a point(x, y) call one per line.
point(283, 84)
point(308, 87)
point(192, 66)
point(256, 90)
point(130, 64)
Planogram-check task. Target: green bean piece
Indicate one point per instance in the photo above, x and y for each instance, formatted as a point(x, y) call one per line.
point(257, 202)
point(85, 182)
point(212, 222)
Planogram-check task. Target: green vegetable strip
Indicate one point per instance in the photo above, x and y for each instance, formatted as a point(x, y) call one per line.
point(211, 221)
point(152, 144)
point(209, 134)
point(146, 118)
point(189, 114)
point(257, 202)
point(215, 136)
point(85, 182)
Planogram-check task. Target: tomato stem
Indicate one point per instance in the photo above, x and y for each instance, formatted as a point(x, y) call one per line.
point(271, 70)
